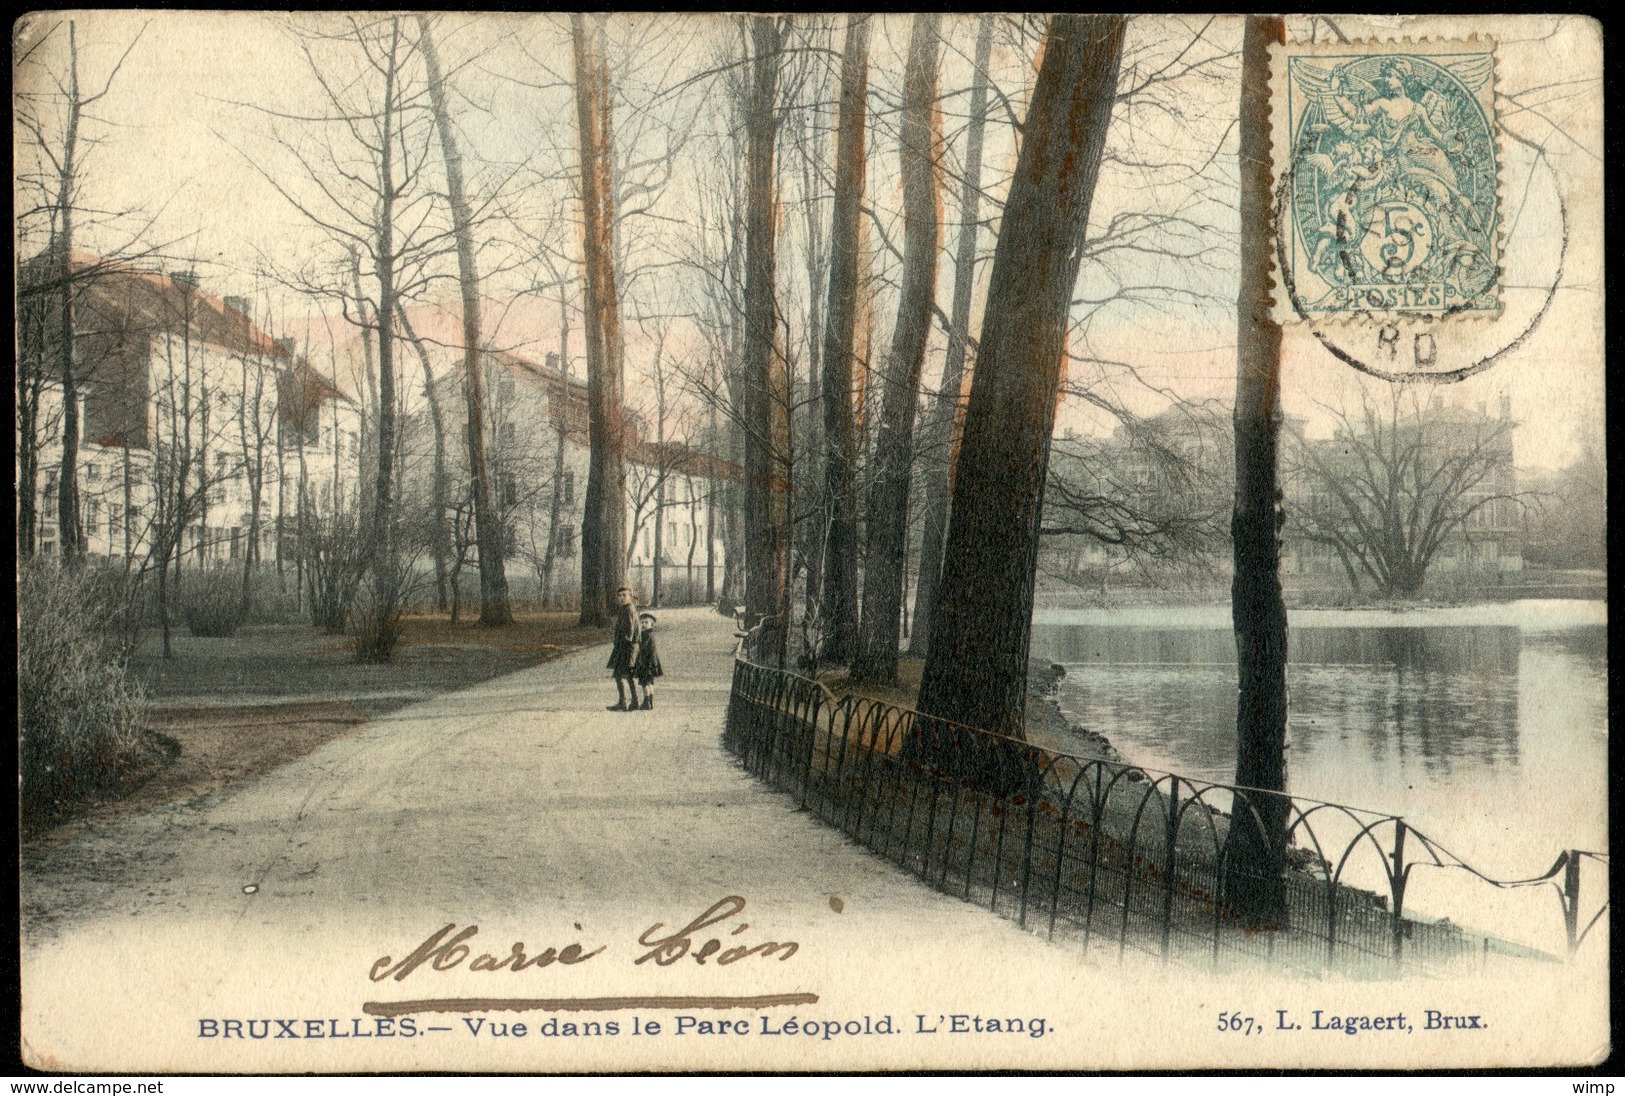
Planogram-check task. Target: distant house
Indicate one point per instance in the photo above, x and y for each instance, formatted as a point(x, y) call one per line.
point(186, 410)
point(1176, 468)
point(1417, 453)
point(537, 455)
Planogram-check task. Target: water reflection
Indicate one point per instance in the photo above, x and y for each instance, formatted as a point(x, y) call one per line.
point(1486, 727)
point(1374, 708)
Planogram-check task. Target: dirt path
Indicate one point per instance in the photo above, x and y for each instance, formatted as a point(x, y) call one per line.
point(520, 805)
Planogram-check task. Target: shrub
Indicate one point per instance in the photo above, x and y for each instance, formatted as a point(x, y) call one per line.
point(335, 559)
point(385, 593)
point(272, 597)
point(211, 602)
point(79, 712)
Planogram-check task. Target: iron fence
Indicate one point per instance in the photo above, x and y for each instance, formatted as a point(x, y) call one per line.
point(1104, 852)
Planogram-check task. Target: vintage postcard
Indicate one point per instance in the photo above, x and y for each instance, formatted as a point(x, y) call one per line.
point(655, 542)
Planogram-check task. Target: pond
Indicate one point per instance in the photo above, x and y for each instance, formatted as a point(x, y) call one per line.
point(1486, 726)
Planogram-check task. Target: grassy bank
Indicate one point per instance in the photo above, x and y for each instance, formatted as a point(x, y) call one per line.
point(224, 710)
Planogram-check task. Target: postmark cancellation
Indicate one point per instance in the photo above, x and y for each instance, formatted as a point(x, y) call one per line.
point(1387, 180)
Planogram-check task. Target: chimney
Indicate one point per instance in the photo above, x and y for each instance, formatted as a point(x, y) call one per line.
point(238, 303)
point(553, 363)
point(188, 278)
point(284, 344)
point(1506, 405)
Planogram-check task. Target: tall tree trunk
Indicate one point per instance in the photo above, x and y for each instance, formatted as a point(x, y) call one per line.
point(1257, 838)
point(557, 406)
point(839, 608)
point(693, 539)
point(205, 407)
point(440, 546)
point(713, 495)
point(765, 428)
point(976, 671)
point(32, 367)
point(279, 524)
point(382, 540)
point(250, 433)
point(127, 468)
point(369, 398)
point(812, 533)
point(67, 481)
point(886, 515)
point(494, 607)
point(946, 413)
point(302, 517)
point(603, 530)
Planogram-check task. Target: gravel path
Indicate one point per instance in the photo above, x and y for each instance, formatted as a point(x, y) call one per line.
point(524, 807)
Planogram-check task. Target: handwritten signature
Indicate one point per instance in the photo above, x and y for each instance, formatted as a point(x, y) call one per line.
point(449, 948)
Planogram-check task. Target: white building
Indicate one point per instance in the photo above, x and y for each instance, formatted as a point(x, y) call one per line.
point(198, 428)
point(537, 456)
point(194, 423)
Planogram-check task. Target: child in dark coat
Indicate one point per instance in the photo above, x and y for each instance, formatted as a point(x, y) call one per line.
point(647, 666)
point(623, 652)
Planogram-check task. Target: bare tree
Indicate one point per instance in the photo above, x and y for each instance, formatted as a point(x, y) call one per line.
point(50, 178)
point(1153, 495)
point(494, 607)
point(602, 530)
point(1573, 528)
point(557, 409)
point(182, 479)
point(716, 292)
point(1257, 837)
point(373, 131)
point(765, 404)
point(256, 427)
point(439, 485)
point(944, 415)
point(654, 475)
point(976, 671)
point(838, 608)
point(886, 513)
point(1399, 481)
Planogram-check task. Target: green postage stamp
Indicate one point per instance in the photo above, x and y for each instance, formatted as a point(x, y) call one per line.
point(1387, 180)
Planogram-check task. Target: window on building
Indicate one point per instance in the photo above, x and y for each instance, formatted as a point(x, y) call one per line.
point(510, 490)
point(507, 431)
point(671, 532)
point(93, 472)
point(567, 489)
point(505, 389)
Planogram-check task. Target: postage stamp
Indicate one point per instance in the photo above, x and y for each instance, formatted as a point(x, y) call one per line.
point(1387, 180)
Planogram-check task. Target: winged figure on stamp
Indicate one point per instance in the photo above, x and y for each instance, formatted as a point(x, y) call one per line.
point(1394, 133)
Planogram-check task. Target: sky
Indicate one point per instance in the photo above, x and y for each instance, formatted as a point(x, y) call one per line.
point(189, 133)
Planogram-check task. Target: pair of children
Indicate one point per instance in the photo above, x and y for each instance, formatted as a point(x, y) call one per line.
point(633, 658)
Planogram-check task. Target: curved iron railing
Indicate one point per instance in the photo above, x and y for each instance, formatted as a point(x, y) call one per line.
point(1099, 850)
